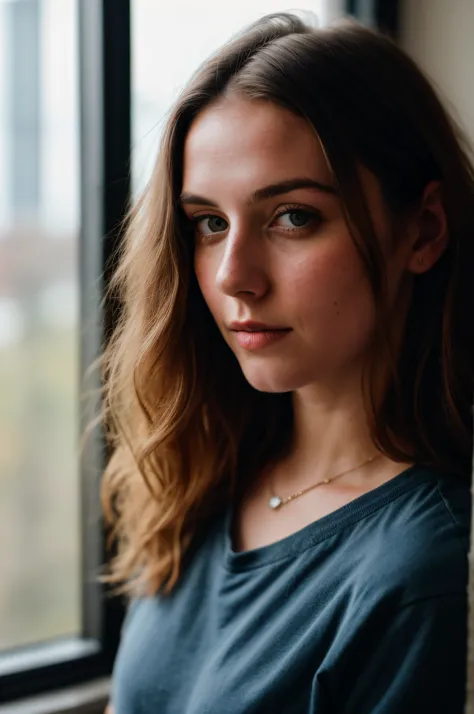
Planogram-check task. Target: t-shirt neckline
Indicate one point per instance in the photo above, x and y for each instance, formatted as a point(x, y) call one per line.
point(322, 528)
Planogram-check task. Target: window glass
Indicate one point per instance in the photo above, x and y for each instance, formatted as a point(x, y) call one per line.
point(39, 333)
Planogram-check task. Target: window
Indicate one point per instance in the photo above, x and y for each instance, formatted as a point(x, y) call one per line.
point(64, 148)
point(39, 322)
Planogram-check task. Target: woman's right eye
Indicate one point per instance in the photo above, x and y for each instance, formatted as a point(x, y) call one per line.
point(215, 224)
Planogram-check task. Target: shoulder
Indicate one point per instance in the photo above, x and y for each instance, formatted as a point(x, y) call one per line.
point(421, 543)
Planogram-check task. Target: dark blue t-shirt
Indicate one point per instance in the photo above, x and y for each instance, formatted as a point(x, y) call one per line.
point(363, 611)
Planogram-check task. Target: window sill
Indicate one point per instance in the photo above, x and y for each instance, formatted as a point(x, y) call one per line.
point(88, 698)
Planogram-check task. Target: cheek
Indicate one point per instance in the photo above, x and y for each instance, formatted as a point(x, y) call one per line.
point(330, 291)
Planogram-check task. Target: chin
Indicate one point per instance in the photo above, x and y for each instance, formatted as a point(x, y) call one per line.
point(275, 381)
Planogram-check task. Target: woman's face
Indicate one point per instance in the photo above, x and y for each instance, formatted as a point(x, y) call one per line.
point(281, 256)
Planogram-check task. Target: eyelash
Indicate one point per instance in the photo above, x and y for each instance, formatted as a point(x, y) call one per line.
point(293, 208)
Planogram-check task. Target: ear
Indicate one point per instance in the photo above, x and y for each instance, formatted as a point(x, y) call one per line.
point(429, 230)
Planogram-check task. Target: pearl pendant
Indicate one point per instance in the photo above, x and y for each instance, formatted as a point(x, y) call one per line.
point(274, 502)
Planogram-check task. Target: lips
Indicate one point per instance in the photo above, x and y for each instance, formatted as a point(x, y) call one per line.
point(258, 339)
point(253, 326)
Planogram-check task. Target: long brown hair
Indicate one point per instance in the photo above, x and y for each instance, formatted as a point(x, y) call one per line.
point(186, 430)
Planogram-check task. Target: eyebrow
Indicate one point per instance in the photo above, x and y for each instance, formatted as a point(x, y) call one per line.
point(275, 189)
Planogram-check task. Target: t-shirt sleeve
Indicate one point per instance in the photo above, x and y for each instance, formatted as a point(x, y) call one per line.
point(415, 663)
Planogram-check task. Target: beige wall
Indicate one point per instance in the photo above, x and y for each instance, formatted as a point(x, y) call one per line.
point(439, 35)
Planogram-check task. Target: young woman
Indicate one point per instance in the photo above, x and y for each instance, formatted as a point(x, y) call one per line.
point(289, 390)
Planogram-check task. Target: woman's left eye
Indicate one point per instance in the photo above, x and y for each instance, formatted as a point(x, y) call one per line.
point(297, 218)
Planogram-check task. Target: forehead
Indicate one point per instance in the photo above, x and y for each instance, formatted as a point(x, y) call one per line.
point(241, 140)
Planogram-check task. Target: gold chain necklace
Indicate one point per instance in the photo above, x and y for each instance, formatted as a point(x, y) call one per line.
point(276, 502)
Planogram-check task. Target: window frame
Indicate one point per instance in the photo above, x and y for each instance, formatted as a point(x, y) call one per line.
point(105, 147)
point(383, 14)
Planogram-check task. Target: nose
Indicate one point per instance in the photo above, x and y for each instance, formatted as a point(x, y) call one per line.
point(243, 266)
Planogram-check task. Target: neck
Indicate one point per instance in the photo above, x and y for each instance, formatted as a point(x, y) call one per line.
point(330, 435)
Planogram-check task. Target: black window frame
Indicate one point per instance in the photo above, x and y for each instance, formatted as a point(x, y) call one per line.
point(382, 14)
point(105, 139)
